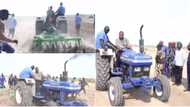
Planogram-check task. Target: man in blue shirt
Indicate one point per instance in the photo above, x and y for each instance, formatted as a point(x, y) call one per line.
point(77, 23)
point(102, 38)
point(26, 73)
point(2, 80)
point(61, 10)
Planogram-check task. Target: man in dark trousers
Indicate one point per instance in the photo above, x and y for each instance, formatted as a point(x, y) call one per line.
point(83, 83)
point(188, 69)
point(179, 62)
point(4, 46)
point(10, 81)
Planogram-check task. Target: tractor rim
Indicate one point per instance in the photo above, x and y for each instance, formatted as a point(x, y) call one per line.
point(159, 90)
point(18, 97)
point(112, 93)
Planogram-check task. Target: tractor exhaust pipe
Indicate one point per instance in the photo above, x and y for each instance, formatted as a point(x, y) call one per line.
point(65, 65)
point(65, 73)
point(141, 41)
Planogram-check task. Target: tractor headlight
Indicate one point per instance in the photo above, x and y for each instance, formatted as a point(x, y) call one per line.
point(137, 69)
point(146, 69)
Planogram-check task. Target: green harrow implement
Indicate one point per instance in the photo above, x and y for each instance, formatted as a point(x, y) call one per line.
point(56, 43)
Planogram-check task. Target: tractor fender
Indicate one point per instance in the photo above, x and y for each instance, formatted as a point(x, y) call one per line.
point(108, 52)
point(29, 81)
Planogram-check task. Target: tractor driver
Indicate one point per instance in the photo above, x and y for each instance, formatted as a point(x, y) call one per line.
point(122, 42)
point(27, 72)
point(4, 46)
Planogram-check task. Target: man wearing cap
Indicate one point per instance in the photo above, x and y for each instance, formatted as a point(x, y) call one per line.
point(4, 46)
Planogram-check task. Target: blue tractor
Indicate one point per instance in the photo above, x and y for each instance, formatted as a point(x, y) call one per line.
point(30, 92)
point(132, 72)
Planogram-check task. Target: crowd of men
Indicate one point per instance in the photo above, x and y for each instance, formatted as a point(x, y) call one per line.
point(169, 59)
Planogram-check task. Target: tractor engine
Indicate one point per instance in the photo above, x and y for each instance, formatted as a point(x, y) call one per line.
point(135, 64)
point(136, 71)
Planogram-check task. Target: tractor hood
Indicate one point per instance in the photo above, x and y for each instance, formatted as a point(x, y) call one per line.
point(133, 58)
point(68, 87)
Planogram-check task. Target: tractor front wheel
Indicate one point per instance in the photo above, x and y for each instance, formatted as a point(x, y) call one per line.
point(115, 92)
point(162, 88)
point(23, 94)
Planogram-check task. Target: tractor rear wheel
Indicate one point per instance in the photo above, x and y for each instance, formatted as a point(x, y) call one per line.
point(162, 90)
point(102, 72)
point(23, 95)
point(115, 92)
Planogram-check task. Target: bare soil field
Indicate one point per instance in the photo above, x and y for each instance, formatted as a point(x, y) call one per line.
point(7, 97)
point(25, 32)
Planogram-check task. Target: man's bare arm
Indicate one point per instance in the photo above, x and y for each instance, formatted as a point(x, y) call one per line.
point(112, 46)
point(3, 38)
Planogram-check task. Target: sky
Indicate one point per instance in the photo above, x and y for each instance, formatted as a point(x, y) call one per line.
point(167, 20)
point(39, 7)
point(82, 66)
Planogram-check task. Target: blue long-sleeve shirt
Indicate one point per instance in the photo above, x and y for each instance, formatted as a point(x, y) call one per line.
point(78, 20)
point(26, 73)
point(101, 36)
point(2, 79)
point(61, 11)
